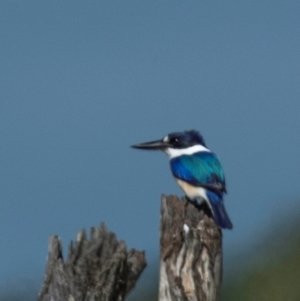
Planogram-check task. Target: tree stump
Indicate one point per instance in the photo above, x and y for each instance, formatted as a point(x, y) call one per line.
point(191, 252)
point(98, 269)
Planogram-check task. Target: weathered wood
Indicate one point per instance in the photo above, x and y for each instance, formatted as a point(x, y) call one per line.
point(191, 252)
point(96, 269)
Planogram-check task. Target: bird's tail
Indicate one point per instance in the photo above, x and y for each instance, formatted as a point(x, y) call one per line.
point(219, 213)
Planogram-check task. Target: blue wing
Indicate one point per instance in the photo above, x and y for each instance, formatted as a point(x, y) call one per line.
point(217, 207)
point(200, 169)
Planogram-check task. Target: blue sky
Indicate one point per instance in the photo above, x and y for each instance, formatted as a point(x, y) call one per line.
point(81, 81)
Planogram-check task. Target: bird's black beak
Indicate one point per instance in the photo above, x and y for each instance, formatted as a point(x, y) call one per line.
point(152, 145)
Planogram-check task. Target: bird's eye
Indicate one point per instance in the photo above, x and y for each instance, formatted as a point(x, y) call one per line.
point(175, 140)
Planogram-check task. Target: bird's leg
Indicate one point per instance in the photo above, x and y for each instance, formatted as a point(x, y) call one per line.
point(200, 204)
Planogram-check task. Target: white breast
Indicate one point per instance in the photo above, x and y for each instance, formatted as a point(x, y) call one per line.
point(191, 191)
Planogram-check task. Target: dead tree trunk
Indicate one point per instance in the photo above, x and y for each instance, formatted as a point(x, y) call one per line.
point(96, 269)
point(191, 252)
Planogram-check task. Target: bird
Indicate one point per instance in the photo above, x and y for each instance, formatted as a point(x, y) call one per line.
point(196, 169)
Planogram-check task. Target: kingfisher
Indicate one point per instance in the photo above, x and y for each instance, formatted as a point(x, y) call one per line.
point(196, 169)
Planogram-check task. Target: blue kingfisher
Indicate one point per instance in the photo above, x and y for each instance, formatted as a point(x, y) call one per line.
point(196, 170)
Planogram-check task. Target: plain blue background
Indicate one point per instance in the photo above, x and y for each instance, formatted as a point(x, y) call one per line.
point(80, 81)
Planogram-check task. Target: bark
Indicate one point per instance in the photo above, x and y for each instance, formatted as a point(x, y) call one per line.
point(100, 268)
point(191, 252)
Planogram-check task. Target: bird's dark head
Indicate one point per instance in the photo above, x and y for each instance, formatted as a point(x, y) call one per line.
point(180, 140)
point(176, 144)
